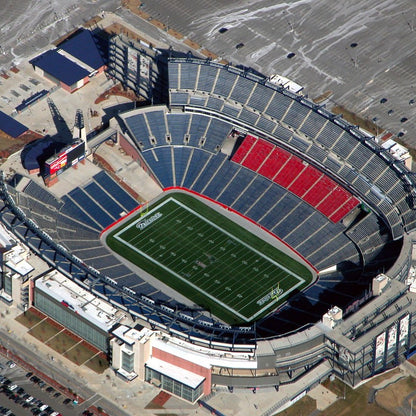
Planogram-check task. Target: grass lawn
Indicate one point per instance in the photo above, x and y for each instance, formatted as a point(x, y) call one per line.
point(62, 342)
point(44, 331)
point(391, 398)
point(304, 407)
point(79, 354)
point(210, 259)
point(30, 318)
point(99, 363)
point(356, 402)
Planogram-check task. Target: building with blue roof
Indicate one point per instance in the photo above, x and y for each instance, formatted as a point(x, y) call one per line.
point(73, 63)
point(83, 46)
point(10, 126)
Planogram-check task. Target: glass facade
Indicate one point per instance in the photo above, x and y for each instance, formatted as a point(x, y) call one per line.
point(127, 361)
point(174, 386)
point(7, 284)
point(71, 320)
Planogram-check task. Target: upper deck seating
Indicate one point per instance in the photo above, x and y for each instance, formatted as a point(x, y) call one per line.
point(297, 176)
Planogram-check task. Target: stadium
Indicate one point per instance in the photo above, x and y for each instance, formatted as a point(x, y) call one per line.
point(305, 214)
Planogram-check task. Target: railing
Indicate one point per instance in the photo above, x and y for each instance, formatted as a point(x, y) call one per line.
point(208, 334)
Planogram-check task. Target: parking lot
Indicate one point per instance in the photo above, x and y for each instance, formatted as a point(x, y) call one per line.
point(26, 394)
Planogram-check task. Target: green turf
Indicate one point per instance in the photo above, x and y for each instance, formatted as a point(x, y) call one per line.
point(208, 258)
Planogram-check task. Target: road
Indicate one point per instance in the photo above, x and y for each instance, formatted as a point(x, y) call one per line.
point(59, 374)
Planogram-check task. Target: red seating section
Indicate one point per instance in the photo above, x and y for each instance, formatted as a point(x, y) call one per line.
point(293, 167)
point(343, 210)
point(258, 153)
point(305, 181)
point(298, 177)
point(319, 191)
point(275, 161)
point(244, 149)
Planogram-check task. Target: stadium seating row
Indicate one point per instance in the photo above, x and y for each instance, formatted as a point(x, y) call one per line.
point(293, 174)
point(272, 109)
point(158, 128)
point(266, 202)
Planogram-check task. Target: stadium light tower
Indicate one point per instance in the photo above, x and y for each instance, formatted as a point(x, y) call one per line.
point(79, 127)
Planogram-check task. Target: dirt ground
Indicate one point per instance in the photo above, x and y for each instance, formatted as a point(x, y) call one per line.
point(117, 90)
point(392, 397)
point(9, 145)
point(357, 401)
point(357, 120)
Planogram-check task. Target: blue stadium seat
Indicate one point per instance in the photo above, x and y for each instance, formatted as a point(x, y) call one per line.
point(114, 189)
point(104, 199)
point(91, 207)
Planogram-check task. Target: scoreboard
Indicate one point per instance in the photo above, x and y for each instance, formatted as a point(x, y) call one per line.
point(66, 158)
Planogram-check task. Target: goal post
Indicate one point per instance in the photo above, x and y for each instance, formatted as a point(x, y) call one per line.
point(144, 209)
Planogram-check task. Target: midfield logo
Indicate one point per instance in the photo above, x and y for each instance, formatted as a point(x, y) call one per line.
point(147, 221)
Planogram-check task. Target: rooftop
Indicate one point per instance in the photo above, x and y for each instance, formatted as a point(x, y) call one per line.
point(79, 300)
point(11, 126)
point(204, 357)
point(83, 45)
point(16, 260)
point(131, 335)
point(60, 67)
point(184, 376)
point(7, 240)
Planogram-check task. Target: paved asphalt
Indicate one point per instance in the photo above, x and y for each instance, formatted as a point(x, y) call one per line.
point(362, 50)
point(66, 379)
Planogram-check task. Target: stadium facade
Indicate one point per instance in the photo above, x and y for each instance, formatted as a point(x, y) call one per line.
point(327, 190)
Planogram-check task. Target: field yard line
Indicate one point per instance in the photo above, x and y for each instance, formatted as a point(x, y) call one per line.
point(237, 239)
point(183, 280)
point(133, 224)
point(194, 286)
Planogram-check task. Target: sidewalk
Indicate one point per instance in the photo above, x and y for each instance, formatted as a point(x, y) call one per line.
point(324, 397)
point(112, 394)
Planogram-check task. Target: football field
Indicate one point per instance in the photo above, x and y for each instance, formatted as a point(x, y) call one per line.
point(209, 259)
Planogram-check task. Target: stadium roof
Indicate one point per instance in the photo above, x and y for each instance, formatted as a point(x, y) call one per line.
point(176, 373)
point(10, 126)
point(60, 67)
point(34, 155)
point(83, 46)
